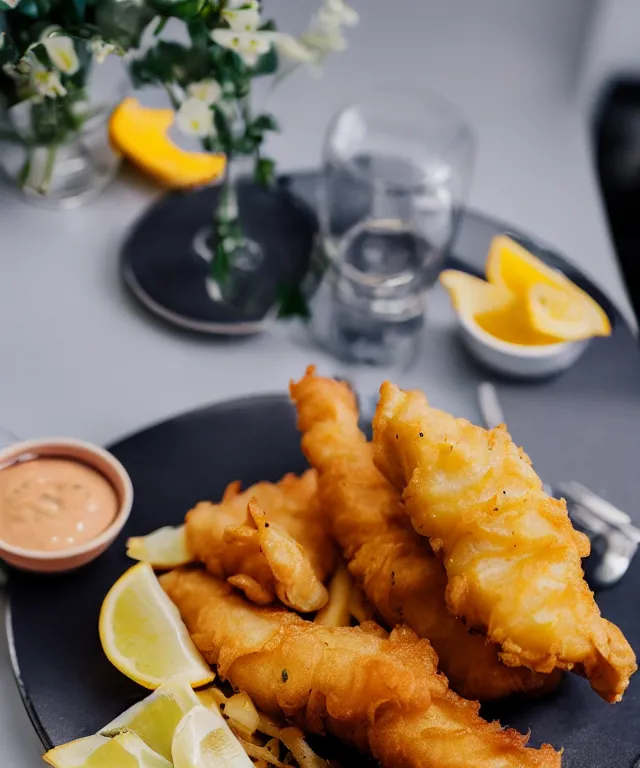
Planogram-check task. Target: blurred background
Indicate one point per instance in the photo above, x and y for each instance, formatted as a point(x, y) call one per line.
point(548, 90)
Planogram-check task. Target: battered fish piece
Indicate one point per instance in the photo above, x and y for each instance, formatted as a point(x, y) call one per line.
point(267, 560)
point(395, 566)
point(381, 693)
point(512, 557)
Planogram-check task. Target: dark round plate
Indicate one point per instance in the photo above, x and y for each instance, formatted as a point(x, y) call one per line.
point(160, 267)
point(71, 690)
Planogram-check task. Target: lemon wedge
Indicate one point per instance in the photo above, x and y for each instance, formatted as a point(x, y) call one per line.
point(555, 305)
point(75, 753)
point(124, 751)
point(493, 308)
point(512, 324)
point(164, 548)
point(566, 312)
point(470, 295)
point(512, 267)
point(204, 739)
point(143, 635)
point(140, 133)
point(155, 718)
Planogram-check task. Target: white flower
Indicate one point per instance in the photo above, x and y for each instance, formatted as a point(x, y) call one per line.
point(236, 4)
point(45, 82)
point(101, 50)
point(207, 91)
point(290, 46)
point(195, 118)
point(248, 45)
point(338, 12)
point(12, 3)
point(325, 34)
point(62, 53)
point(242, 20)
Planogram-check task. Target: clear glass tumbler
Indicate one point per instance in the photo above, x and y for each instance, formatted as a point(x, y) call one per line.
point(396, 172)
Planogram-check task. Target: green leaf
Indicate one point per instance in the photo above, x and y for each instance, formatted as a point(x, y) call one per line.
point(246, 145)
point(122, 21)
point(264, 123)
point(180, 9)
point(267, 64)
point(169, 62)
point(161, 24)
point(44, 8)
point(198, 32)
point(265, 171)
point(8, 51)
point(29, 8)
point(291, 302)
point(220, 264)
point(223, 128)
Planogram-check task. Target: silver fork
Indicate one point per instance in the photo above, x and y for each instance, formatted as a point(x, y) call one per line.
point(613, 536)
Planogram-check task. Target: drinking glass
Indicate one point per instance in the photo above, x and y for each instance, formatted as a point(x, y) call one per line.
point(396, 171)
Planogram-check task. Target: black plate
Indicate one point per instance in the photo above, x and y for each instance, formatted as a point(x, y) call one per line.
point(161, 269)
point(71, 690)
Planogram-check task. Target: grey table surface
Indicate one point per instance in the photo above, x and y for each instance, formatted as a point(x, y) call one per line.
point(78, 357)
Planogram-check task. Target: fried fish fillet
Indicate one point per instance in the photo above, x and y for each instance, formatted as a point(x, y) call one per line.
point(264, 552)
point(399, 573)
point(512, 557)
point(381, 693)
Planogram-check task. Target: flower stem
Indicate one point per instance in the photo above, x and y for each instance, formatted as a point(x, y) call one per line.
point(23, 175)
point(48, 169)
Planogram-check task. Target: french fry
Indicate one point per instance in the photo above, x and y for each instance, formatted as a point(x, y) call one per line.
point(359, 606)
point(336, 612)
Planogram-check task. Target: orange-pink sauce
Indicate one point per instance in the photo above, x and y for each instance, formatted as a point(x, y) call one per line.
point(50, 504)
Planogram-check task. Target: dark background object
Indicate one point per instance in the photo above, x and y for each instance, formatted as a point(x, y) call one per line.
point(617, 147)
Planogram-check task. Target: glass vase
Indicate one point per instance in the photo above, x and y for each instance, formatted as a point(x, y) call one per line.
point(235, 259)
point(80, 162)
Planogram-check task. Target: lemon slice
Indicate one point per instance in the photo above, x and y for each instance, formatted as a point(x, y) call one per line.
point(512, 267)
point(204, 739)
point(140, 133)
point(470, 295)
point(136, 747)
point(155, 718)
point(75, 753)
point(143, 635)
point(164, 548)
point(512, 324)
point(124, 751)
point(566, 312)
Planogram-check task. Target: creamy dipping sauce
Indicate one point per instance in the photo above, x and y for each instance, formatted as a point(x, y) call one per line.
point(52, 504)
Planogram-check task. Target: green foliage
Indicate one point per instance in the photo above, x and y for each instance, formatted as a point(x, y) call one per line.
point(223, 128)
point(180, 9)
point(265, 171)
point(169, 62)
point(8, 50)
point(292, 302)
point(267, 64)
point(122, 21)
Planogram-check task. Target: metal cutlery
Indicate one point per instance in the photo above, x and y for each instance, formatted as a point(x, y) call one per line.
point(614, 538)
